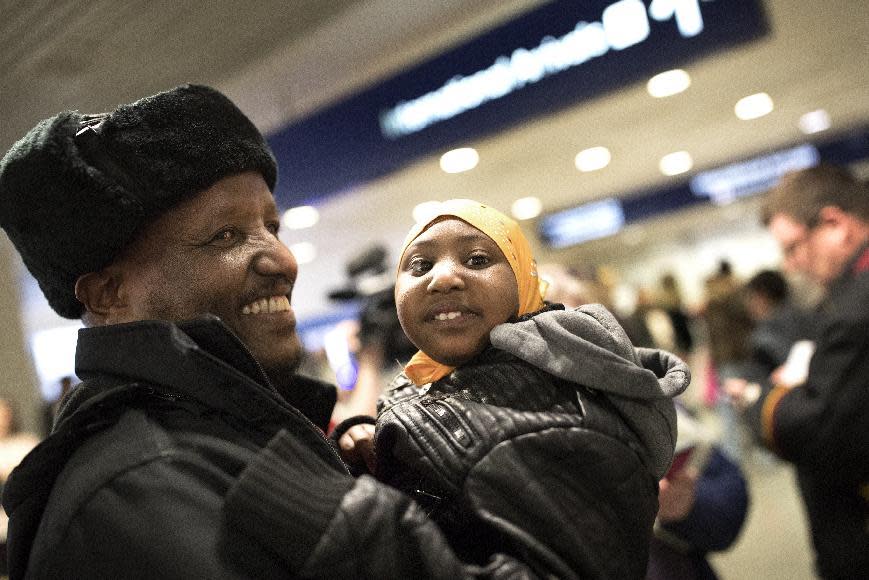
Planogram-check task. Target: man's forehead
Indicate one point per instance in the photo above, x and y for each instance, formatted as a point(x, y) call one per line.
point(236, 197)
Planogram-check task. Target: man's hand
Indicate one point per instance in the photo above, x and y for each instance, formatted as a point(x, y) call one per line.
point(356, 446)
point(796, 368)
point(676, 495)
point(741, 393)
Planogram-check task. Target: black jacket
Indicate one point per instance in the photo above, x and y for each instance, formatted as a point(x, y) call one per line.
point(565, 413)
point(176, 458)
point(822, 427)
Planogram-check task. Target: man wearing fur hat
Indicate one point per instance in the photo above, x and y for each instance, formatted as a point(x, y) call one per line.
point(191, 450)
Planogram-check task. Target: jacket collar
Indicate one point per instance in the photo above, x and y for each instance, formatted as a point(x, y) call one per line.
point(200, 359)
point(124, 365)
point(856, 266)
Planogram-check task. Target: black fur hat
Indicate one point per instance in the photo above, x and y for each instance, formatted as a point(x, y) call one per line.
point(77, 188)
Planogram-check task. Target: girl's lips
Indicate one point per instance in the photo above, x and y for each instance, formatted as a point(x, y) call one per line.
point(452, 319)
point(448, 311)
point(448, 315)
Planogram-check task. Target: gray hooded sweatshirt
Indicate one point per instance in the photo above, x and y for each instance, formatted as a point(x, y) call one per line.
point(588, 346)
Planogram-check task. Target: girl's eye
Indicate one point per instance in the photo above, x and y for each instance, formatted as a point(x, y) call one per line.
point(419, 266)
point(478, 260)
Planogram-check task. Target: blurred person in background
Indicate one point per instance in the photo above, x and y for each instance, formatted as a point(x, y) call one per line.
point(778, 325)
point(728, 326)
point(192, 449)
point(14, 446)
point(14, 443)
point(704, 502)
point(571, 288)
point(669, 299)
point(375, 341)
point(820, 421)
point(565, 286)
point(778, 322)
point(647, 324)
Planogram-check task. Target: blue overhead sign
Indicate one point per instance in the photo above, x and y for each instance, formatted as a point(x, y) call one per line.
point(756, 175)
point(622, 24)
point(583, 223)
point(549, 58)
point(720, 186)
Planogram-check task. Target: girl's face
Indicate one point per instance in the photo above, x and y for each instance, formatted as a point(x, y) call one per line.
point(454, 286)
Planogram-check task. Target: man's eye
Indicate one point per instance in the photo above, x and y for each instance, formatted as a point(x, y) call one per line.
point(274, 227)
point(224, 236)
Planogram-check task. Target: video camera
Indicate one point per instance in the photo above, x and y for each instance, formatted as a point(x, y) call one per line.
point(370, 282)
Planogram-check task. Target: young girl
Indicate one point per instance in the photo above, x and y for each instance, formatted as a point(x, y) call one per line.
point(501, 381)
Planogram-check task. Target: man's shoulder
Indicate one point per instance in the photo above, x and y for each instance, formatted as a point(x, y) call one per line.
point(150, 436)
point(133, 485)
point(136, 443)
point(134, 440)
point(84, 465)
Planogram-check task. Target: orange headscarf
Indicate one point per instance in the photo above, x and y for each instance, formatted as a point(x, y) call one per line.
point(513, 244)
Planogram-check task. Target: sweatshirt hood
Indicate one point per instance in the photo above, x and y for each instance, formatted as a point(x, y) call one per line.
point(588, 346)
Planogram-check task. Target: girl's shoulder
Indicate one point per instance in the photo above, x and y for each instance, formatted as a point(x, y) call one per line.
point(399, 389)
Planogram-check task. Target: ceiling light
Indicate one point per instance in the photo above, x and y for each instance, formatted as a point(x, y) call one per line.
point(592, 159)
point(425, 211)
point(458, 160)
point(753, 106)
point(305, 252)
point(676, 163)
point(815, 122)
point(669, 83)
point(526, 208)
point(301, 217)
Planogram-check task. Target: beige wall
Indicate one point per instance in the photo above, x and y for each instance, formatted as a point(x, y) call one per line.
point(17, 376)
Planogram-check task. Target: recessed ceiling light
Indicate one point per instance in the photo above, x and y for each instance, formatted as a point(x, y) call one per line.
point(425, 211)
point(666, 84)
point(592, 159)
point(305, 252)
point(526, 208)
point(459, 160)
point(301, 217)
point(753, 106)
point(815, 122)
point(676, 163)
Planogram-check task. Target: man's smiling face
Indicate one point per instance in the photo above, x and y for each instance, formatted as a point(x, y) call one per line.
point(219, 253)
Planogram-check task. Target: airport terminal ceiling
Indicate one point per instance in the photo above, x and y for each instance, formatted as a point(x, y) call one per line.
point(284, 60)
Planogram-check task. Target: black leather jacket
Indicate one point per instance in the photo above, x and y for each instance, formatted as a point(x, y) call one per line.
point(500, 438)
point(176, 458)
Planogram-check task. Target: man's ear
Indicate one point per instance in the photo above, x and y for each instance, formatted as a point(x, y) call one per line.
point(851, 231)
point(101, 294)
point(833, 215)
point(851, 228)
